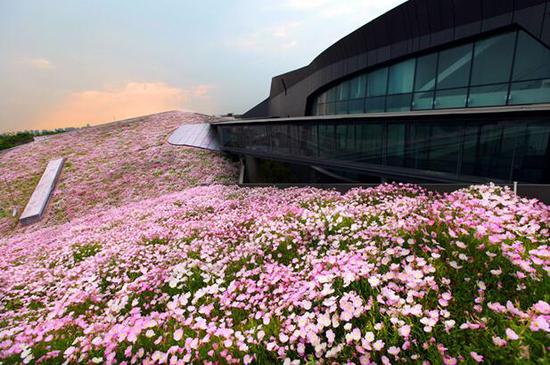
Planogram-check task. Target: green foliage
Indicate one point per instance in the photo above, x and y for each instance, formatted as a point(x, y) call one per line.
point(81, 252)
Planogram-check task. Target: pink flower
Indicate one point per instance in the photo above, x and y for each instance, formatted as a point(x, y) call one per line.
point(405, 331)
point(511, 335)
point(476, 356)
point(330, 336)
point(394, 350)
point(499, 341)
point(178, 334)
point(539, 323)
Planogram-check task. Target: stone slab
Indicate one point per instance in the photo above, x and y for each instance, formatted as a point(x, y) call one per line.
point(40, 197)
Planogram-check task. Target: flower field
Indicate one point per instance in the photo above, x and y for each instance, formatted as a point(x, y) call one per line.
point(225, 275)
point(107, 166)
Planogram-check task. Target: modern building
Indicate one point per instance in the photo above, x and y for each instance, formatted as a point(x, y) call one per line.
point(453, 91)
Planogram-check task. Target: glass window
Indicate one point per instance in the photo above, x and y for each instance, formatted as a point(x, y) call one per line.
point(440, 80)
point(375, 105)
point(280, 139)
point(444, 147)
point(331, 95)
point(493, 59)
point(455, 98)
point(342, 91)
point(330, 108)
point(401, 77)
point(370, 140)
point(342, 107)
point(377, 81)
point(533, 153)
point(322, 109)
point(419, 156)
point(488, 150)
point(326, 140)
point(425, 72)
point(530, 92)
point(492, 95)
point(315, 107)
point(423, 100)
point(396, 144)
point(492, 159)
point(356, 106)
point(454, 67)
point(345, 141)
point(398, 103)
point(308, 140)
point(358, 87)
point(532, 59)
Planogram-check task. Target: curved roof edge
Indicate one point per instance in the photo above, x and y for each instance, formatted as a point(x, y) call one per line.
point(392, 34)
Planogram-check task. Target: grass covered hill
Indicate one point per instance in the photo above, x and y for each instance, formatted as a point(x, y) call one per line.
point(108, 165)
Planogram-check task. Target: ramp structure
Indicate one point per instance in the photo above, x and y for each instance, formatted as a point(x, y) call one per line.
point(40, 197)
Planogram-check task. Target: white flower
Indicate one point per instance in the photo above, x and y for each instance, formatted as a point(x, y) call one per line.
point(374, 281)
point(378, 345)
point(369, 337)
point(354, 335)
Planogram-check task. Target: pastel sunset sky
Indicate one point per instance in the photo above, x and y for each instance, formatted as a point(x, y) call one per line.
point(73, 62)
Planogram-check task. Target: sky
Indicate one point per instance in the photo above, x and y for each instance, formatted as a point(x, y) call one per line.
point(68, 63)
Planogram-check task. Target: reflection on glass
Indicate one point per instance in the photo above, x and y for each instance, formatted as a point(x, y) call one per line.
point(425, 72)
point(398, 103)
point(528, 92)
point(423, 100)
point(493, 59)
point(401, 77)
point(493, 95)
point(358, 87)
point(454, 67)
point(370, 140)
point(455, 98)
point(532, 59)
point(515, 149)
point(377, 81)
point(375, 105)
point(396, 144)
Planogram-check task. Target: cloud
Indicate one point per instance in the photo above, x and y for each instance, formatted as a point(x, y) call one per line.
point(40, 63)
point(277, 37)
point(115, 103)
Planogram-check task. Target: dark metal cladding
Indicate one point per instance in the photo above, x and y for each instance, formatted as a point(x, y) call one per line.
point(415, 26)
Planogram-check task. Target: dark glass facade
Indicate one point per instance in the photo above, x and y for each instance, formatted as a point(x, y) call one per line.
point(469, 149)
point(511, 68)
point(458, 93)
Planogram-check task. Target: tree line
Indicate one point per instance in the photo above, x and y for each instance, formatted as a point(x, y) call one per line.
point(9, 140)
